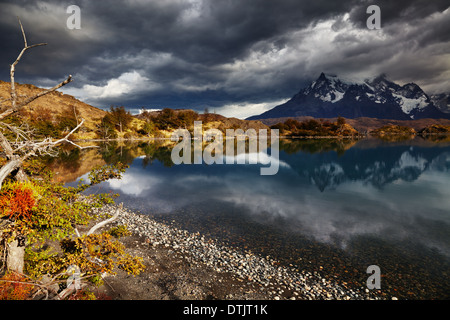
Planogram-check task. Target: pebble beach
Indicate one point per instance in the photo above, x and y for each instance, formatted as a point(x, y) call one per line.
point(275, 281)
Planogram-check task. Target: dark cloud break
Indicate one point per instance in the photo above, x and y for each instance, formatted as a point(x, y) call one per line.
point(236, 57)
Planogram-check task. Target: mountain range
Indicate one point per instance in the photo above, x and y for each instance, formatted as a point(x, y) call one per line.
point(330, 97)
point(400, 161)
point(441, 101)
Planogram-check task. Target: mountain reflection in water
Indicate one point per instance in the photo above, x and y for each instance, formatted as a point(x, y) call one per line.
point(333, 192)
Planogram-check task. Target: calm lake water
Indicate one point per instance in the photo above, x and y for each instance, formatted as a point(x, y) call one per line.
point(334, 207)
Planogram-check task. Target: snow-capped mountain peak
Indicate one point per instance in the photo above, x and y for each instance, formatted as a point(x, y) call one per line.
point(331, 96)
point(327, 88)
point(441, 101)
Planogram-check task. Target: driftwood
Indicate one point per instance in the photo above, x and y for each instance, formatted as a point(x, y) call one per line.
point(105, 222)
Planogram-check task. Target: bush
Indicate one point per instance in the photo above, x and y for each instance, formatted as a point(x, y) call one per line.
point(315, 127)
point(119, 118)
point(119, 231)
point(129, 136)
point(105, 130)
point(17, 200)
point(14, 286)
point(170, 119)
point(46, 215)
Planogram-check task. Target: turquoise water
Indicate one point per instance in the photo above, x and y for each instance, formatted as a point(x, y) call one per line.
point(333, 207)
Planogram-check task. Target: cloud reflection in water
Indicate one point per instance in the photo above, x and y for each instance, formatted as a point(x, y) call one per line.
point(397, 195)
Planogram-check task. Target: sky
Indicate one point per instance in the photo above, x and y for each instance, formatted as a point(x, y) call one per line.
point(234, 57)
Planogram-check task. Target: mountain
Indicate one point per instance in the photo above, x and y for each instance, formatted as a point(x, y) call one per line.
point(405, 161)
point(56, 113)
point(330, 96)
point(441, 101)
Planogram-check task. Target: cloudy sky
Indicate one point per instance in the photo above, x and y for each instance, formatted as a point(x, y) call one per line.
point(236, 57)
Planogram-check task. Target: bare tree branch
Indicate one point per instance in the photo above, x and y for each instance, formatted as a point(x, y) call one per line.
point(24, 146)
point(14, 105)
point(66, 138)
point(23, 33)
point(105, 222)
point(6, 146)
point(9, 167)
point(29, 148)
point(16, 152)
point(13, 66)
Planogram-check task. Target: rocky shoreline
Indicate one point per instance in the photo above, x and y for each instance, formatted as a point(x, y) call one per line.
point(263, 277)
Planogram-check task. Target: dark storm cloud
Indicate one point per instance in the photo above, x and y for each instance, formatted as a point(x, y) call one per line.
point(403, 11)
point(194, 53)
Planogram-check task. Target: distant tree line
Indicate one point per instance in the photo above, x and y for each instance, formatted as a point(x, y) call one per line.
point(116, 119)
point(169, 119)
point(313, 127)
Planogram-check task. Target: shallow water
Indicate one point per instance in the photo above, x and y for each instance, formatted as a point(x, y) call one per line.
point(334, 207)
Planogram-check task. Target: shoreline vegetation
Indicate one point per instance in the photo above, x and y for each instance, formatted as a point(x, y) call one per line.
point(134, 257)
point(51, 226)
point(118, 124)
point(57, 242)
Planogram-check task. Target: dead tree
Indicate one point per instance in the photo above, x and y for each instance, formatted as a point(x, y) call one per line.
point(24, 146)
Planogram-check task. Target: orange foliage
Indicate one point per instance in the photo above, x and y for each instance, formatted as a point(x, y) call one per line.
point(13, 287)
point(16, 201)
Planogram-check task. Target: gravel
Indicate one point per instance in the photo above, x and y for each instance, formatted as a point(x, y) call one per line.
point(283, 282)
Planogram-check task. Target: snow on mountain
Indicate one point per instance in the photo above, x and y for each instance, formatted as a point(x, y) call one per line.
point(441, 101)
point(331, 96)
point(409, 105)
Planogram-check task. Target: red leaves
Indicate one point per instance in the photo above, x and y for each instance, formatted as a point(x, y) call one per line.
point(14, 287)
point(16, 201)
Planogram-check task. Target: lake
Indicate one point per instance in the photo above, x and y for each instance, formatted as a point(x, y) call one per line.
point(334, 207)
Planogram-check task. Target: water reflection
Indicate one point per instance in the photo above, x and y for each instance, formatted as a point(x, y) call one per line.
point(348, 195)
point(330, 191)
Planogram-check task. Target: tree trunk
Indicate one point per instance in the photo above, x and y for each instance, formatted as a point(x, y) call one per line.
point(15, 256)
point(9, 167)
point(21, 176)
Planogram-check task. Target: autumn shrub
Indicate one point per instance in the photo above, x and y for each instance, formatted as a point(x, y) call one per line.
point(99, 253)
point(94, 254)
point(83, 295)
point(36, 167)
point(17, 200)
point(66, 122)
point(47, 214)
point(14, 286)
point(313, 127)
point(119, 231)
point(130, 136)
point(102, 173)
point(169, 119)
point(46, 128)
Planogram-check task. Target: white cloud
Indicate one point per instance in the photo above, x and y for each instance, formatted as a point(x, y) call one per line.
point(126, 84)
point(247, 109)
point(133, 183)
